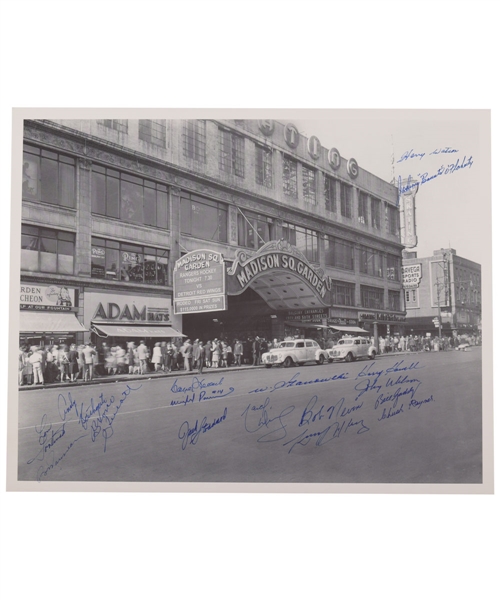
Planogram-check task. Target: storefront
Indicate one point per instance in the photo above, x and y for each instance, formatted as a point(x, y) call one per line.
point(49, 315)
point(381, 323)
point(118, 318)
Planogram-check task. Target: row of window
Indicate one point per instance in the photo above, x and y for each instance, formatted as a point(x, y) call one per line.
point(49, 251)
point(50, 177)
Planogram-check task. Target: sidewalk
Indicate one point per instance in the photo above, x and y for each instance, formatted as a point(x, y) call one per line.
point(136, 377)
point(182, 373)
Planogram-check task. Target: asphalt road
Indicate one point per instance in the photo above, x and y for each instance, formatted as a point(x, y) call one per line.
point(399, 419)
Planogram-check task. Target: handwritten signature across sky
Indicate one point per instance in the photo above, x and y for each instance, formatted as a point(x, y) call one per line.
point(405, 185)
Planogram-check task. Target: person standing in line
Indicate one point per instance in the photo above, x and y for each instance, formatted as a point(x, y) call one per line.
point(143, 354)
point(36, 361)
point(199, 356)
point(73, 362)
point(23, 359)
point(256, 351)
point(88, 354)
point(169, 356)
point(188, 355)
point(238, 352)
point(381, 342)
point(164, 356)
point(156, 359)
point(215, 354)
point(81, 363)
point(207, 353)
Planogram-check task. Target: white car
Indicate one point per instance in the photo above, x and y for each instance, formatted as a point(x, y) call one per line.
point(350, 349)
point(295, 352)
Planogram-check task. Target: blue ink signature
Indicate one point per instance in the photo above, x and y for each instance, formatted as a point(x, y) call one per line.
point(42, 471)
point(294, 382)
point(196, 384)
point(331, 432)
point(44, 440)
point(190, 435)
point(418, 403)
point(99, 416)
point(257, 417)
point(425, 177)
point(202, 395)
point(391, 412)
point(395, 396)
point(409, 154)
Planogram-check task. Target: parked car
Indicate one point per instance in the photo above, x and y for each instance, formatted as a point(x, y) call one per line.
point(350, 349)
point(295, 352)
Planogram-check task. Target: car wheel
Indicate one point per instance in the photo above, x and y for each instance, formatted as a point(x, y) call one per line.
point(288, 362)
point(269, 366)
point(373, 355)
point(349, 357)
point(321, 360)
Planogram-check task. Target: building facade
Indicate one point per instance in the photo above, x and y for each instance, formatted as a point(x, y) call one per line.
point(308, 239)
point(443, 288)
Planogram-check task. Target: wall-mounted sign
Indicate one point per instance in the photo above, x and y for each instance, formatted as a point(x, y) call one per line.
point(407, 193)
point(412, 274)
point(342, 321)
point(334, 158)
point(199, 282)
point(380, 316)
point(125, 308)
point(314, 147)
point(307, 315)
point(352, 168)
point(40, 296)
point(266, 127)
point(291, 134)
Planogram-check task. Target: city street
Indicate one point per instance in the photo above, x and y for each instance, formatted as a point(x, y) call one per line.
point(403, 418)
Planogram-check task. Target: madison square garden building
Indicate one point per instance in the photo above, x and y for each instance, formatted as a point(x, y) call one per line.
point(143, 229)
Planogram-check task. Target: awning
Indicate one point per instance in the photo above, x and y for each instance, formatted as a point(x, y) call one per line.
point(49, 322)
point(348, 329)
point(136, 331)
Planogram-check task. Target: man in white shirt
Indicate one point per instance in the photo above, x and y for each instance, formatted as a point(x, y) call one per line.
point(36, 361)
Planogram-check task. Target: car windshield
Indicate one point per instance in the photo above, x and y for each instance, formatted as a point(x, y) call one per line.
point(344, 342)
point(287, 345)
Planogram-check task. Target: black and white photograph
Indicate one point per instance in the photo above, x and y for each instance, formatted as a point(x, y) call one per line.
point(235, 297)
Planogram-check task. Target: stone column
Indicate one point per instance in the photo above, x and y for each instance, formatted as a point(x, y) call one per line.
point(174, 219)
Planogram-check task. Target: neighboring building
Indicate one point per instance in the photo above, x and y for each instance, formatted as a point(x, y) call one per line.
point(443, 286)
point(110, 206)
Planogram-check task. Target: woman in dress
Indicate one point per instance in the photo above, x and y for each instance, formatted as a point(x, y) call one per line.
point(215, 354)
point(156, 359)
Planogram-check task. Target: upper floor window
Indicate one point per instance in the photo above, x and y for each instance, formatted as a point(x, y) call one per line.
point(343, 293)
point(393, 219)
point(375, 210)
point(129, 198)
point(339, 253)
point(232, 153)
point(290, 177)
point(128, 262)
point(47, 250)
point(203, 218)
point(120, 125)
point(194, 139)
point(154, 132)
point(363, 208)
point(309, 185)
point(394, 300)
point(345, 200)
point(330, 194)
point(372, 297)
point(306, 240)
point(393, 267)
point(370, 262)
point(49, 177)
point(264, 166)
point(253, 230)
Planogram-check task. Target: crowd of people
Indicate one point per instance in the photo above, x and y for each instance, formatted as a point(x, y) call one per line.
point(40, 365)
